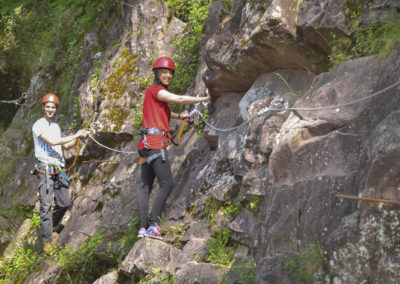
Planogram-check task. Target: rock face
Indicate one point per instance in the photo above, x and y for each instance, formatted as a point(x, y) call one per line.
point(271, 182)
point(148, 254)
point(262, 36)
point(329, 152)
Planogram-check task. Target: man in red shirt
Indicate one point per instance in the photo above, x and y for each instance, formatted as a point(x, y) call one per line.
point(156, 117)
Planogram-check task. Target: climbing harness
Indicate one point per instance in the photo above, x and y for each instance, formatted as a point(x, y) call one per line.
point(18, 101)
point(61, 171)
point(94, 128)
point(279, 106)
point(57, 167)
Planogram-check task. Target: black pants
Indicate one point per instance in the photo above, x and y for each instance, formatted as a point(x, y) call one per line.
point(53, 187)
point(161, 170)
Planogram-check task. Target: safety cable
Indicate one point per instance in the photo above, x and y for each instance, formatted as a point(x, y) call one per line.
point(266, 111)
point(348, 103)
point(18, 101)
point(226, 129)
point(263, 112)
point(111, 149)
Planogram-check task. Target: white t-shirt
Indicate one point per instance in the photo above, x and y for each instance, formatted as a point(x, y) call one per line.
point(44, 152)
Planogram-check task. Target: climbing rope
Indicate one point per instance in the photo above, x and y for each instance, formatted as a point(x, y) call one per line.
point(73, 163)
point(278, 105)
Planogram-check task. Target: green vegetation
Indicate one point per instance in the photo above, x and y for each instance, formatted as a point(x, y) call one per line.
point(48, 36)
point(122, 240)
point(17, 212)
point(25, 258)
point(94, 78)
point(303, 266)
point(380, 37)
point(18, 267)
point(245, 272)
point(9, 165)
point(6, 167)
point(296, 94)
point(3, 127)
point(80, 265)
point(219, 250)
point(114, 87)
point(93, 258)
point(255, 204)
point(177, 232)
point(229, 208)
point(85, 265)
point(76, 115)
point(31, 30)
point(199, 124)
point(194, 13)
point(159, 276)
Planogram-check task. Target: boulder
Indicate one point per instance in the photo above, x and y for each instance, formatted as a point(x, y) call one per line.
point(109, 278)
point(147, 254)
point(23, 236)
point(276, 84)
point(200, 273)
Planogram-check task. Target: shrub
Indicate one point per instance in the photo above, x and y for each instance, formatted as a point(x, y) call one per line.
point(19, 266)
point(218, 250)
point(194, 13)
point(380, 37)
point(306, 263)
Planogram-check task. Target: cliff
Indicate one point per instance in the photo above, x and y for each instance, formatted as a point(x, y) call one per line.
point(255, 204)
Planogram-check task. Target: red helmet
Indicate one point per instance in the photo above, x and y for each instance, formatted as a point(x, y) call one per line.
point(164, 62)
point(50, 98)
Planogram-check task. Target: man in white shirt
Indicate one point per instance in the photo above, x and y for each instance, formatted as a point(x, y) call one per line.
point(48, 152)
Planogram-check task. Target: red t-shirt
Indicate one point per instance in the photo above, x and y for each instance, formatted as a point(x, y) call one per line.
point(155, 114)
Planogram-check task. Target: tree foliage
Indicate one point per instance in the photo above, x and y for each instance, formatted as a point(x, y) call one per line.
point(193, 13)
point(33, 33)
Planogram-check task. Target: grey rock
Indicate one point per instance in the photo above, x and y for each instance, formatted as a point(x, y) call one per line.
point(150, 253)
point(257, 38)
point(197, 230)
point(192, 251)
point(23, 236)
point(109, 278)
point(275, 84)
point(201, 273)
point(255, 182)
point(243, 228)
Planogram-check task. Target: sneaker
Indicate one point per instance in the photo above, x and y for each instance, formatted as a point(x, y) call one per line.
point(142, 233)
point(154, 232)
